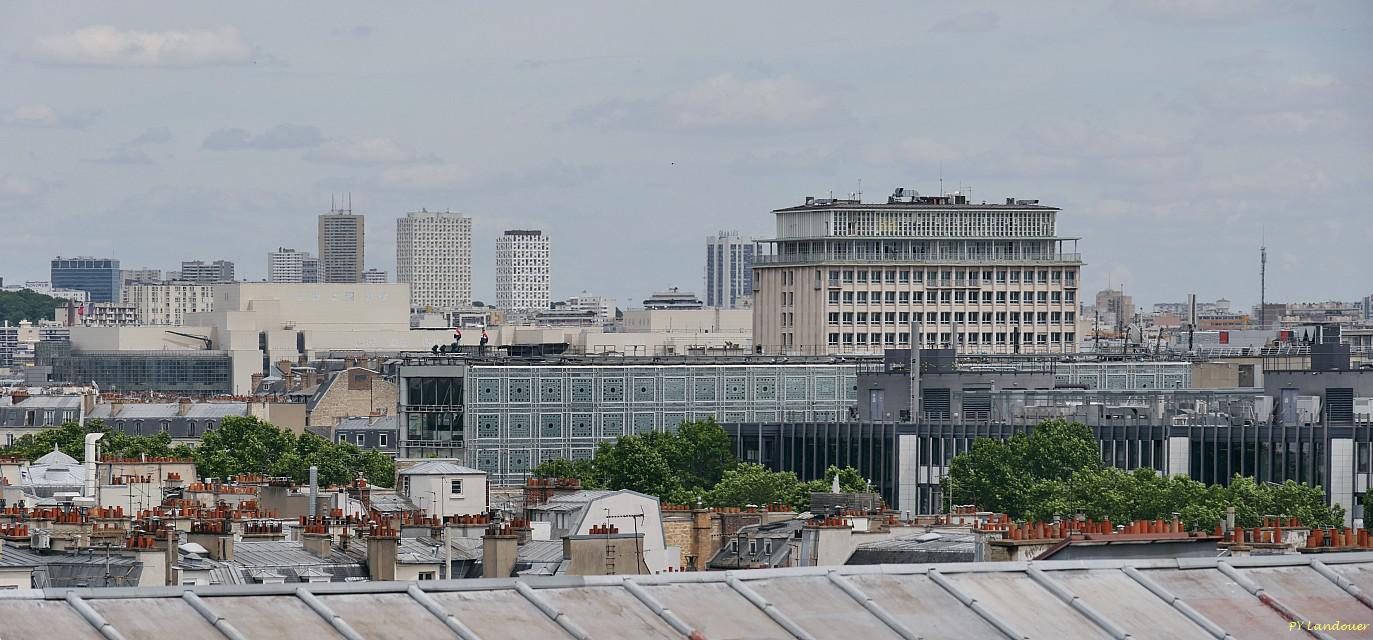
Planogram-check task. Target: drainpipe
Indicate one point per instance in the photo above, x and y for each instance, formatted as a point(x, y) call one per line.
point(91, 439)
point(314, 489)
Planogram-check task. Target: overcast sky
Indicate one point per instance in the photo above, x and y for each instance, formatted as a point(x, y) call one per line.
point(1173, 133)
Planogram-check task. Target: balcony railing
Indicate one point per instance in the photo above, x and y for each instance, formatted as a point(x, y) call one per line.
point(925, 258)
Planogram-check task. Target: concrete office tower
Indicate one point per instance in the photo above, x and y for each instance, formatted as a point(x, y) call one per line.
point(199, 271)
point(845, 276)
point(522, 270)
point(100, 277)
point(289, 265)
point(340, 246)
point(140, 276)
point(168, 304)
point(434, 257)
point(729, 270)
point(374, 276)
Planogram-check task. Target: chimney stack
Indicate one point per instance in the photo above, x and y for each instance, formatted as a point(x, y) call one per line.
point(183, 406)
point(317, 541)
point(381, 553)
point(499, 549)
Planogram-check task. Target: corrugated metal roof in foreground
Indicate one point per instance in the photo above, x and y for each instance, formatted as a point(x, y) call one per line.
point(1182, 598)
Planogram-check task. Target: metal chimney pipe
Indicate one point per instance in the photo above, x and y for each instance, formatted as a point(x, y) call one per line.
point(91, 439)
point(314, 489)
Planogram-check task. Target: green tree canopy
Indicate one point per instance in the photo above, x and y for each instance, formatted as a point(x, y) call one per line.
point(27, 304)
point(249, 445)
point(70, 438)
point(1056, 471)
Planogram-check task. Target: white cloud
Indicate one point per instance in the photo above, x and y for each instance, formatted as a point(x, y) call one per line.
point(104, 45)
point(1202, 11)
point(972, 22)
point(421, 177)
point(282, 136)
point(155, 135)
point(368, 151)
point(918, 151)
point(124, 155)
point(42, 116)
point(17, 188)
point(724, 102)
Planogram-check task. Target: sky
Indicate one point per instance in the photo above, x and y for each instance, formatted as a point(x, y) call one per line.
point(1178, 136)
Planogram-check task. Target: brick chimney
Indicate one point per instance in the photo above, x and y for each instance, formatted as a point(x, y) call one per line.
point(19, 395)
point(499, 549)
point(319, 543)
point(382, 543)
point(183, 406)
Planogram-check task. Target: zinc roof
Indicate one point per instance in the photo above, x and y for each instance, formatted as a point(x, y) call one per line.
point(1210, 598)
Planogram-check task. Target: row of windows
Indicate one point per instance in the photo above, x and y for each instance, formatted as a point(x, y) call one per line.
point(905, 276)
point(946, 317)
point(804, 388)
point(949, 296)
point(998, 337)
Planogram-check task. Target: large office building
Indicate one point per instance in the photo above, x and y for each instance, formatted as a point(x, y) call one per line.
point(847, 276)
point(168, 304)
point(99, 277)
point(729, 270)
point(181, 372)
point(146, 275)
point(340, 246)
point(522, 270)
point(434, 257)
point(505, 416)
point(292, 266)
point(199, 271)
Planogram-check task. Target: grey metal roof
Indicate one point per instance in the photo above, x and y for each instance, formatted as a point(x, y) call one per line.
point(42, 402)
point(369, 422)
point(155, 410)
point(440, 468)
point(933, 546)
point(1236, 597)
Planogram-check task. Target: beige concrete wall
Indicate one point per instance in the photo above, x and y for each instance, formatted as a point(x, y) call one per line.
point(689, 320)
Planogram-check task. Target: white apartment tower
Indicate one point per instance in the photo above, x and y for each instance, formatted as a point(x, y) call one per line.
point(340, 246)
point(522, 270)
point(845, 276)
point(729, 270)
point(434, 256)
point(289, 265)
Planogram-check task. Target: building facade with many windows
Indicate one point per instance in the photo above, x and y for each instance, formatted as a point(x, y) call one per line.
point(729, 270)
point(341, 246)
point(507, 416)
point(99, 277)
point(845, 276)
point(292, 266)
point(522, 270)
point(434, 256)
point(168, 304)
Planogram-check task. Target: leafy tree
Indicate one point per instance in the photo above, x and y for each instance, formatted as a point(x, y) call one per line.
point(583, 470)
point(249, 445)
point(700, 452)
point(633, 462)
point(70, 438)
point(1056, 471)
point(753, 484)
point(27, 304)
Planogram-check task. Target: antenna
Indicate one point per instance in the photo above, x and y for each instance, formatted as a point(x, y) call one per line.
point(941, 177)
point(332, 205)
point(1263, 284)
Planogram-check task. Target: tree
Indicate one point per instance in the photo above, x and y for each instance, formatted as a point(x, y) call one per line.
point(753, 484)
point(700, 452)
point(249, 445)
point(633, 462)
point(27, 304)
point(583, 470)
point(70, 438)
point(850, 481)
point(1056, 471)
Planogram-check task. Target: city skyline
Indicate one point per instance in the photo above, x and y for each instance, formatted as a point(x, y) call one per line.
point(1199, 132)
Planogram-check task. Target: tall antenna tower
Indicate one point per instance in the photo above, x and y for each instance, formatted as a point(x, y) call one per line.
point(1263, 286)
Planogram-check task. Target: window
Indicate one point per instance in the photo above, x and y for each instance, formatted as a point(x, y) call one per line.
point(381, 440)
point(905, 276)
point(426, 575)
point(767, 546)
point(405, 485)
point(862, 317)
point(862, 276)
point(1015, 297)
point(848, 276)
point(958, 296)
point(1001, 296)
point(848, 297)
point(734, 546)
point(834, 297)
point(889, 317)
point(1015, 276)
point(1069, 296)
point(752, 546)
point(342, 438)
point(890, 297)
point(833, 338)
point(1043, 297)
point(834, 317)
point(1001, 276)
point(362, 439)
point(455, 487)
point(848, 317)
point(905, 297)
point(862, 297)
point(891, 276)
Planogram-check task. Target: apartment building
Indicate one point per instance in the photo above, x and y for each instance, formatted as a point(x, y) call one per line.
point(204, 272)
point(434, 257)
point(168, 304)
point(729, 270)
point(292, 266)
point(522, 270)
point(847, 276)
point(340, 246)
